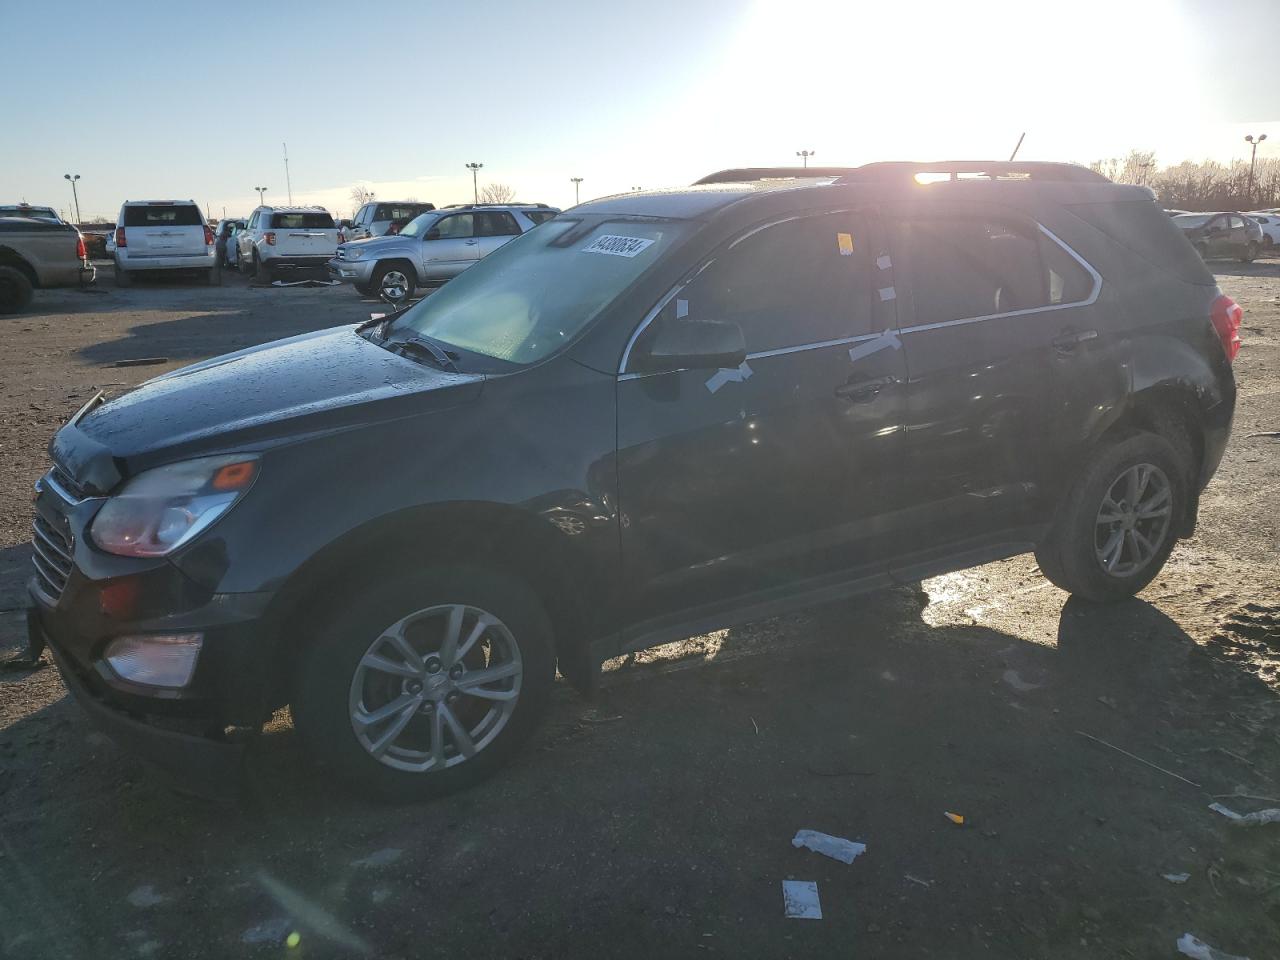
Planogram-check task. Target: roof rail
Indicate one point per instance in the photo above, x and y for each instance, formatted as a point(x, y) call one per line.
point(751, 174)
point(973, 169)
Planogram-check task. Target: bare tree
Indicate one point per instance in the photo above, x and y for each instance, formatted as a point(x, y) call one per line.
point(360, 195)
point(497, 193)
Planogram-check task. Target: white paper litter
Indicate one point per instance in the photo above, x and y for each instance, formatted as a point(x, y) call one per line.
point(837, 848)
point(1199, 950)
point(1177, 877)
point(1255, 819)
point(379, 858)
point(1014, 679)
point(800, 900)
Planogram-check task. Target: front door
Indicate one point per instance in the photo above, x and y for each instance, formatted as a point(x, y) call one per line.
point(780, 472)
point(449, 247)
point(493, 229)
point(1003, 352)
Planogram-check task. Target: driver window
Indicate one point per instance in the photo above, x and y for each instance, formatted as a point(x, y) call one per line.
point(458, 226)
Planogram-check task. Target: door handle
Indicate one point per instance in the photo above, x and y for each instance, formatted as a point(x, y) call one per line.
point(471, 243)
point(1068, 340)
point(863, 391)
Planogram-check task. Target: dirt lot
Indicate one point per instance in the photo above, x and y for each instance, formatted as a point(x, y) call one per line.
point(657, 821)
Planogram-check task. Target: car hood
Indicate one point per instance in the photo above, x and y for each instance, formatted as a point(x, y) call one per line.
point(312, 384)
point(377, 246)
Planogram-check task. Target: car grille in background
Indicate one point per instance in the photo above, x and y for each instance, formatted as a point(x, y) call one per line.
point(52, 557)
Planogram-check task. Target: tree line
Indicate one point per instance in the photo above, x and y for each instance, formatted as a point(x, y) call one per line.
point(1207, 185)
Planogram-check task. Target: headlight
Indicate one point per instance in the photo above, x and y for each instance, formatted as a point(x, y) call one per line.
point(161, 509)
point(354, 253)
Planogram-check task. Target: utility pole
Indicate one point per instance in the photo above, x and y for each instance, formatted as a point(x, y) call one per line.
point(804, 155)
point(475, 183)
point(1253, 160)
point(74, 195)
point(1018, 146)
point(261, 191)
point(287, 183)
point(576, 182)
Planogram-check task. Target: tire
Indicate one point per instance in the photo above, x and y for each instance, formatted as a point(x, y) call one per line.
point(213, 277)
point(363, 289)
point(1251, 252)
point(1077, 553)
point(261, 272)
point(123, 277)
point(15, 289)
point(397, 270)
point(244, 266)
point(337, 681)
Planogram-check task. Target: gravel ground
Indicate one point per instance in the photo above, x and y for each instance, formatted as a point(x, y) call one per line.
point(657, 820)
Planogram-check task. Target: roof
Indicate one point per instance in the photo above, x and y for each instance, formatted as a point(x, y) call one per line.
point(287, 209)
point(156, 203)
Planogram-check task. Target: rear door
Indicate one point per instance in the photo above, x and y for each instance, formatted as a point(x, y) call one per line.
point(1217, 234)
point(493, 229)
point(304, 234)
point(164, 230)
point(449, 247)
point(784, 470)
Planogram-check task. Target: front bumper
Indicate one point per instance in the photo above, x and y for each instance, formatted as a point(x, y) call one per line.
point(351, 271)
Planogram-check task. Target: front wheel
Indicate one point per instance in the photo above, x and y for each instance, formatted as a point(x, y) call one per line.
point(426, 683)
point(1116, 528)
point(1250, 253)
point(394, 282)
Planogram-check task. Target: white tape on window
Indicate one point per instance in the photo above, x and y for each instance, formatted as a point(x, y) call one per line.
point(883, 262)
point(888, 293)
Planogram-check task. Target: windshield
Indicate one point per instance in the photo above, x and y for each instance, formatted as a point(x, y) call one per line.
point(418, 225)
point(534, 294)
point(1191, 221)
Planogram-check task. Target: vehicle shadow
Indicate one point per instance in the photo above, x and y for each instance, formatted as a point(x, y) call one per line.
point(683, 783)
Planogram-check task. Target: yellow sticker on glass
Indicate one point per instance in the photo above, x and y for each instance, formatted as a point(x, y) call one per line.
point(846, 244)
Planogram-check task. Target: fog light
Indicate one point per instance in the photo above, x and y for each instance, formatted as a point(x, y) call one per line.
point(156, 660)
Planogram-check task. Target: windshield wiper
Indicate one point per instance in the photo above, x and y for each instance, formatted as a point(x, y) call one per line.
point(442, 357)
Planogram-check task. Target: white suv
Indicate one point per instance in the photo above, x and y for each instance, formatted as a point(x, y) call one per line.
point(377, 218)
point(286, 238)
point(163, 235)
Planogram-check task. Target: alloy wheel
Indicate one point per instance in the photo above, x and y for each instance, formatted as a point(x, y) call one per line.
point(1133, 520)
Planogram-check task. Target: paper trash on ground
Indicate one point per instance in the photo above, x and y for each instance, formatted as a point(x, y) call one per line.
point(1199, 950)
point(1177, 877)
point(837, 848)
point(1255, 819)
point(800, 899)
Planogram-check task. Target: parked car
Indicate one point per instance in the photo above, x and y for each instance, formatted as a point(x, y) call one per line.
point(27, 210)
point(1221, 235)
point(1270, 224)
point(1177, 213)
point(434, 246)
point(163, 235)
point(225, 242)
point(285, 238)
point(37, 253)
point(659, 414)
point(381, 217)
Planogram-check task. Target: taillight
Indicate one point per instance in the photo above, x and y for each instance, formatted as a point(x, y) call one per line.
point(82, 252)
point(208, 236)
point(120, 242)
point(1226, 315)
point(270, 237)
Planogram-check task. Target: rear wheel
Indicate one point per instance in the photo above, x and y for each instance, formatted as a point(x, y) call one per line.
point(1116, 528)
point(1250, 253)
point(426, 683)
point(261, 272)
point(15, 290)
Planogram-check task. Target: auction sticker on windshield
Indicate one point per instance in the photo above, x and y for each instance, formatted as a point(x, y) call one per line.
point(617, 246)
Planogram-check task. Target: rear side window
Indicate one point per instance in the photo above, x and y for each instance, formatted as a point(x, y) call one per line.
point(301, 221)
point(1142, 227)
point(539, 216)
point(960, 268)
point(172, 215)
point(401, 211)
point(497, 224)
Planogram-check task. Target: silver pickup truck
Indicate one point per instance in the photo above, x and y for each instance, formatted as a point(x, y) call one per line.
point(39, 254)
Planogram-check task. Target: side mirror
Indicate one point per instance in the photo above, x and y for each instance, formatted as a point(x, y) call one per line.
point(693, 344)
point(432, 234)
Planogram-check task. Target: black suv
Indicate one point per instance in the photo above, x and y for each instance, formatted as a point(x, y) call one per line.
point(658, 414)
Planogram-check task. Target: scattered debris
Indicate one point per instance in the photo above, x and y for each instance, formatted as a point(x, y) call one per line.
point(146, 896)
point(380, 858)
point(755, 725)
point(1108, 702)
point(1244, 796)
point(924, 883)
point(837, 848)
point(1177, 877)
point(888, 675)
point(271, 931)
point(1013, 679)
point(311, 916)
point(1132, 756)
point(956, 818)
point(1235, 756)
point(303, 283)
point(800, 900)
point(141, 362)
point(1255, 819)
point(586, 718)
point(1199, 950)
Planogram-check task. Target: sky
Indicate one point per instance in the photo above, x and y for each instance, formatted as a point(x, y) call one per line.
point(176, 100)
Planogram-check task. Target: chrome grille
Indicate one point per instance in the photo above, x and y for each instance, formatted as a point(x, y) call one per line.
point(52, 557)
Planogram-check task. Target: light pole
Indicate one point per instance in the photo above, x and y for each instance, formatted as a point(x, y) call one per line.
point(261, 191)
point(475, 183)
point(804, 155)
point(576, 181)
point(1253, 159)
point(74, 195)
